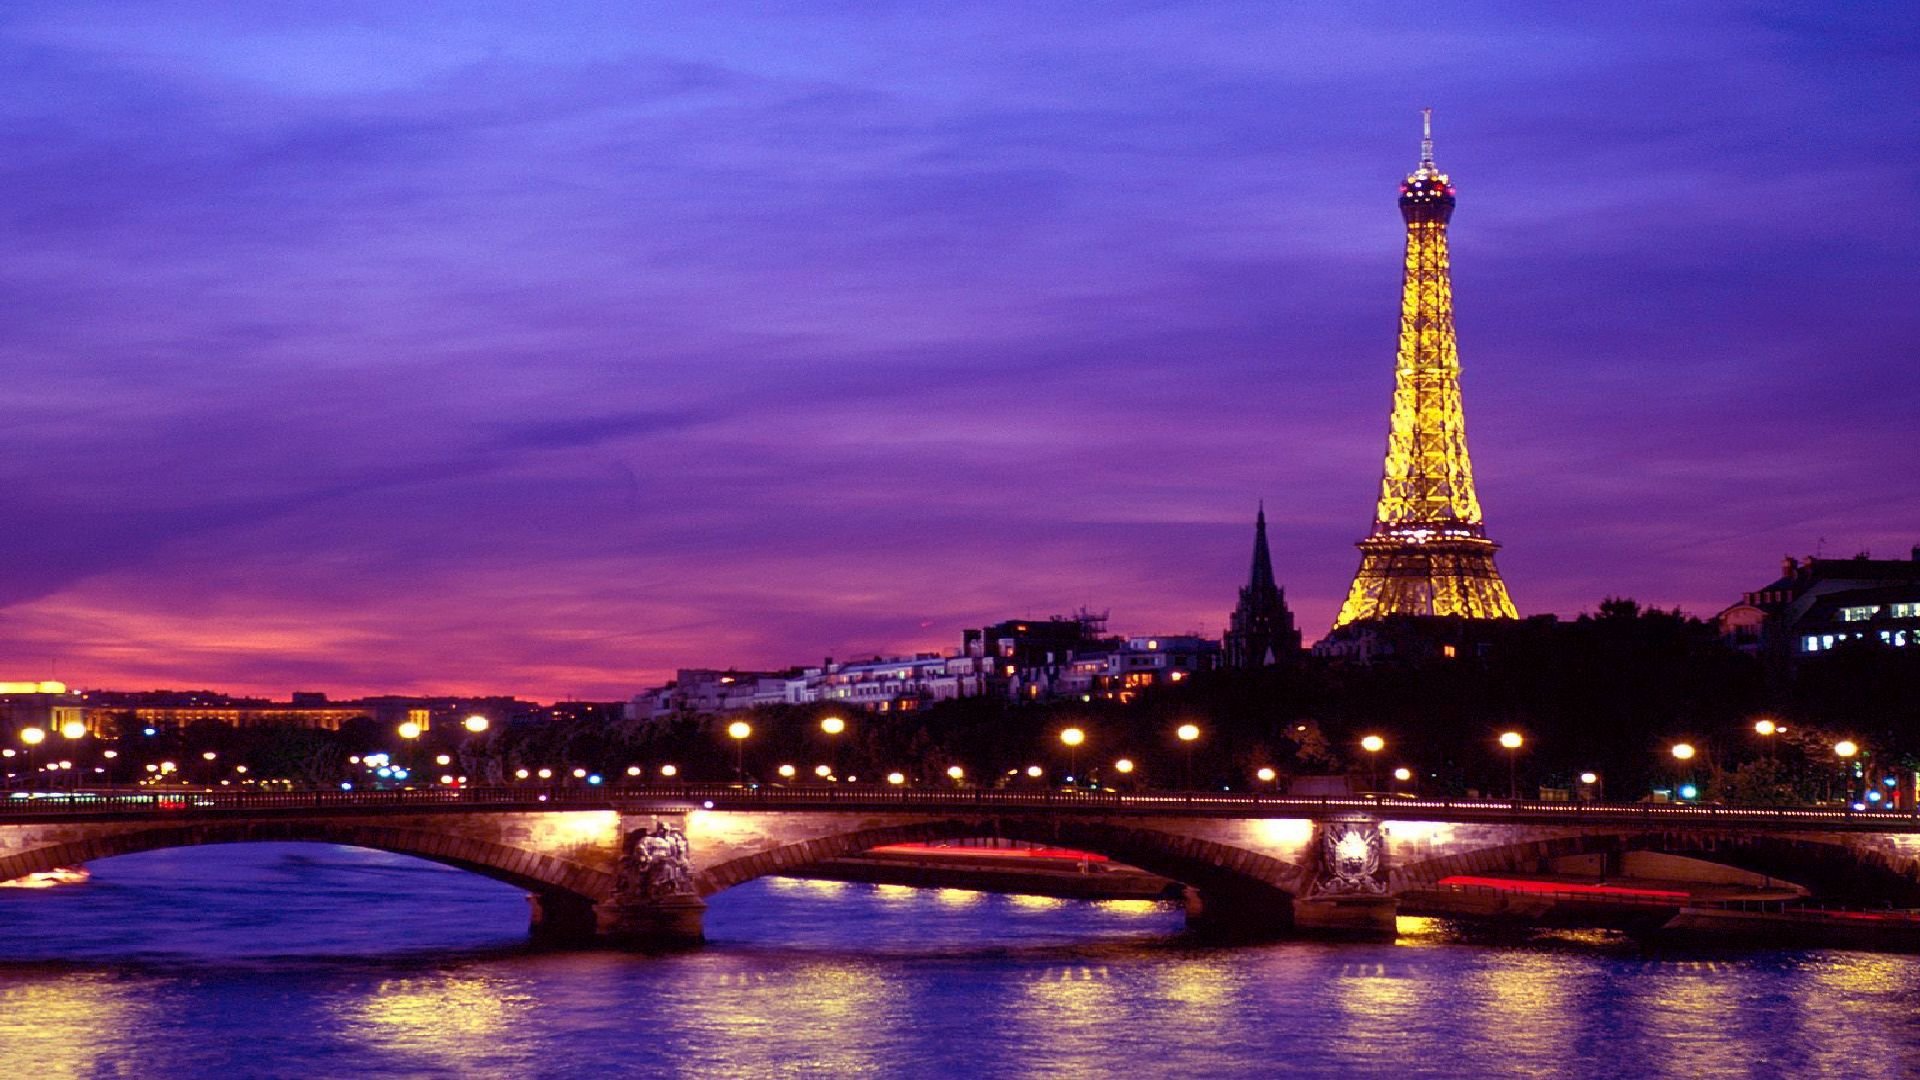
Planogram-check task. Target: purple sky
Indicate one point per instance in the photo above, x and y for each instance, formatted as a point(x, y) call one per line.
point(398, 347)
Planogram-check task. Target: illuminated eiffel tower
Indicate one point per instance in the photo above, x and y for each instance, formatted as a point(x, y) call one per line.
point(1428, 553)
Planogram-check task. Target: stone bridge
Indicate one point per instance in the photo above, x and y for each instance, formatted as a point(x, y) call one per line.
point(635, 866)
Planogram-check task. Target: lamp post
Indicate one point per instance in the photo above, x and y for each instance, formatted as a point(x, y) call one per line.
point(410, 732)
point(32, 737)
point(1188, 733)
point(832, 726)
point(1124, 766)
point(738, 732)
point(1682, 753)
point(1266, 775)
point(73, 731)
point(1402, 775)
point(1073, 737)
point(1512, 741)
point(1373, 744)
point(1589, 786)
point(1846, 750)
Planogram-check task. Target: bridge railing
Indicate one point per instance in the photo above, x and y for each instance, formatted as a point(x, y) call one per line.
point(39, 805)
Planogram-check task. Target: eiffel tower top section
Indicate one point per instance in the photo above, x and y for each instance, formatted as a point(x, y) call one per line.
point(1427, 193)
point(1428, 478)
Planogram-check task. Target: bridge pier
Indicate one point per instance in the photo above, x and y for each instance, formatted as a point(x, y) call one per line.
point(1354, 916)
point(669, 923)
point(1346, 894)
point(654, 903)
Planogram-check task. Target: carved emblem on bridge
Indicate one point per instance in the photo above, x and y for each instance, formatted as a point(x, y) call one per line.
point(655, 865)
point(1352, 859)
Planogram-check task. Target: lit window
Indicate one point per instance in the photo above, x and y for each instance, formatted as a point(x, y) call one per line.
point(1859, 614)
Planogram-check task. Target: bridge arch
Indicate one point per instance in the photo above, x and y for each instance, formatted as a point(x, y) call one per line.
point(552, 879)
point(1838, 865)
point(1224, 875)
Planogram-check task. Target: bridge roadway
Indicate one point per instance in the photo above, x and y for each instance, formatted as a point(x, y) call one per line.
point(633, 864)
point(172, 803)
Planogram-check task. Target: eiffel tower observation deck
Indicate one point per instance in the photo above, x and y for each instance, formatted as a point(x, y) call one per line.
point(1428, 554)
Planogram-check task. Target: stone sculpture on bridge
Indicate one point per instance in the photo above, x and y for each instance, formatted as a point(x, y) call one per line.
point(655, 900)
point(656, 864)
point(1350, 859)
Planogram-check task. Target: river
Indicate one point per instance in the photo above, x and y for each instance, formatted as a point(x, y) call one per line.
point(301, 960)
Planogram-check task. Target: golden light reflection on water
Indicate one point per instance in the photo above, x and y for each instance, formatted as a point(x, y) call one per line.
point(448, 1017)
point(71, 1028)
point(959, 897)
point(814, 886)
point(1131, 907)
point(811, 1019)
point(1196, 984)
point(1036, 903)
point(1531, 999)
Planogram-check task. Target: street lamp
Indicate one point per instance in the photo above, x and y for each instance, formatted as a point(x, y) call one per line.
point(1512, 741)
point(476, 723)
point(1124, 766)
point(738, 732)
point(787, 772)
point(1187, 733)
point(833, 725)
point(1073, 737)
point(956, 773)
point(896, 778)
point(1682, 753)
point(1402, 774)
point(1846, 750)
point(1266, 775)
point(32, 737)
point(1373, 744)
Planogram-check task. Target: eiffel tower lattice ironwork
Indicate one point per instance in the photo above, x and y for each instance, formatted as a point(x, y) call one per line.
point(1428, 553)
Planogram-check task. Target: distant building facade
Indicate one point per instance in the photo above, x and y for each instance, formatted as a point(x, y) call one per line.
point(49, 706)
point(1817, 605)
point(1016, 660)
point(162, 709)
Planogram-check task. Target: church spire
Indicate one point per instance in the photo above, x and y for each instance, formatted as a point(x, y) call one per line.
point(1262, 576)
point(1260, 631)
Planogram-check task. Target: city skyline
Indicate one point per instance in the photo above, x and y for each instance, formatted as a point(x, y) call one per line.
point(544, 354)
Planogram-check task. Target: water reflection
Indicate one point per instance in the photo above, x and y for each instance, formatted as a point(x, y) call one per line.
point(71, 1026)
point(831, 979)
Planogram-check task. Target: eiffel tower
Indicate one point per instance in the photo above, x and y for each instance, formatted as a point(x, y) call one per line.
point(1428, 553)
